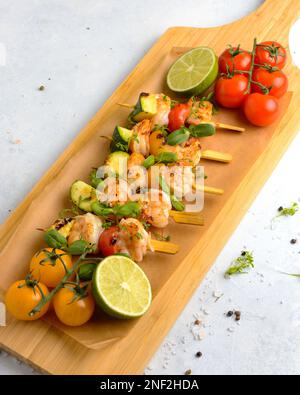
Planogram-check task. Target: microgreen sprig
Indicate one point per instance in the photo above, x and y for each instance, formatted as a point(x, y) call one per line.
point(241, 264)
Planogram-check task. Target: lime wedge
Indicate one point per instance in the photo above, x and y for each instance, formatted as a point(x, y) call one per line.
point(121, 288)
point(193, 72)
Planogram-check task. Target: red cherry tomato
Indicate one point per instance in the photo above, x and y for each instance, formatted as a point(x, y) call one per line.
point(178, 115)
point(271, 53)
point(107, 241)
point(276, 80)
point(261, 110)
point(231, 92)
point(234, 59)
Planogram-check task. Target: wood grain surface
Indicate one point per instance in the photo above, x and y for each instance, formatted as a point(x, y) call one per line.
point(127, 350)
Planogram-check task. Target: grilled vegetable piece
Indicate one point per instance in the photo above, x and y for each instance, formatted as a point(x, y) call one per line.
point(83, 195)
point(117, 162)
point(63, 226)
point(145, 108)
point(120, 140)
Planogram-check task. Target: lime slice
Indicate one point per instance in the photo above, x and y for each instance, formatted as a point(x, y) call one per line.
point(193, 72)
point(121, 288)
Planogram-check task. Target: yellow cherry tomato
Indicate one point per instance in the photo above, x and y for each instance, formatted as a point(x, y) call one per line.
point(23, 296)
point(49, 266)
point(71, 309)
point(157, 140)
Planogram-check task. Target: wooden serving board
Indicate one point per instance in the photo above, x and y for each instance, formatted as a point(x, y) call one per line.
point(109, 346)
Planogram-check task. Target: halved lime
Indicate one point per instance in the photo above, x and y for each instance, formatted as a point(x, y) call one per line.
point(193, 72)
point(121, 288)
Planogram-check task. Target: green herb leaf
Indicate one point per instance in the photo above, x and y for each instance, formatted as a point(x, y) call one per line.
point(54, 239)
point(164, 186)
point(178, 136)
point(101, 209)
point(166, 157)
point(176, 204)
point(241, 264)
point(129, 209)
point(150, 161)
point(288, 211)
point(86, 271)
point(202, 130)
point(95, 181)
point(78, 247)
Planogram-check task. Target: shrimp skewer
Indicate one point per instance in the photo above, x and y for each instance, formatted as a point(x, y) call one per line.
point(132, 238)
point(201, 111)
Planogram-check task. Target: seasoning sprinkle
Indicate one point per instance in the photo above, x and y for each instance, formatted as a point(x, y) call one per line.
point(199, 354)
point(41, 88)
point(237, 315)
point(293, 241)
point(188, 372)
point(229, 314)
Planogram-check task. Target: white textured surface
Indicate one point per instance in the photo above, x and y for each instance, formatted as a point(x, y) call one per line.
point(86, 48)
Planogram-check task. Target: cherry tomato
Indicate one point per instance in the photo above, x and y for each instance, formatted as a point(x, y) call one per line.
point(261, 110)
point(231, 92)
point(178, 115)
point(107, 241)
point(233, 59)
point(49, 266)
point(23, 296)
point(71, 309)
point(271, 53)
point(276, 80)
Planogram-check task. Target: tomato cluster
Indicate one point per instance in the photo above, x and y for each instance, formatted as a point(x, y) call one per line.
point(73, 305)
point(253, 81)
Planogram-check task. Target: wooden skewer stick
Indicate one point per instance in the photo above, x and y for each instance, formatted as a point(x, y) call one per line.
point(164, 246)
point(216, 156)
point(218, 125)
point(125, 105)
point(210, 190)
point(182, 217)
point(229, 127)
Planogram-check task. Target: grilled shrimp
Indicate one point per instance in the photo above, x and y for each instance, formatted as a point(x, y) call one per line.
point(133, 239)
point(136, 176)
point(140, 141)
point(163, 109)
point(201, 111)
point(113, 191)
point(189, 153)
point(86, 227)
point(179, 179)
point(155, 208)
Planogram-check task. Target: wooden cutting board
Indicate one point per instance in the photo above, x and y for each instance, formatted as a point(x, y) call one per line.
point(54, 351)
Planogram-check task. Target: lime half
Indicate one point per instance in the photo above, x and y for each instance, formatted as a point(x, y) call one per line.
point(121, 288)
point(193, 72)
